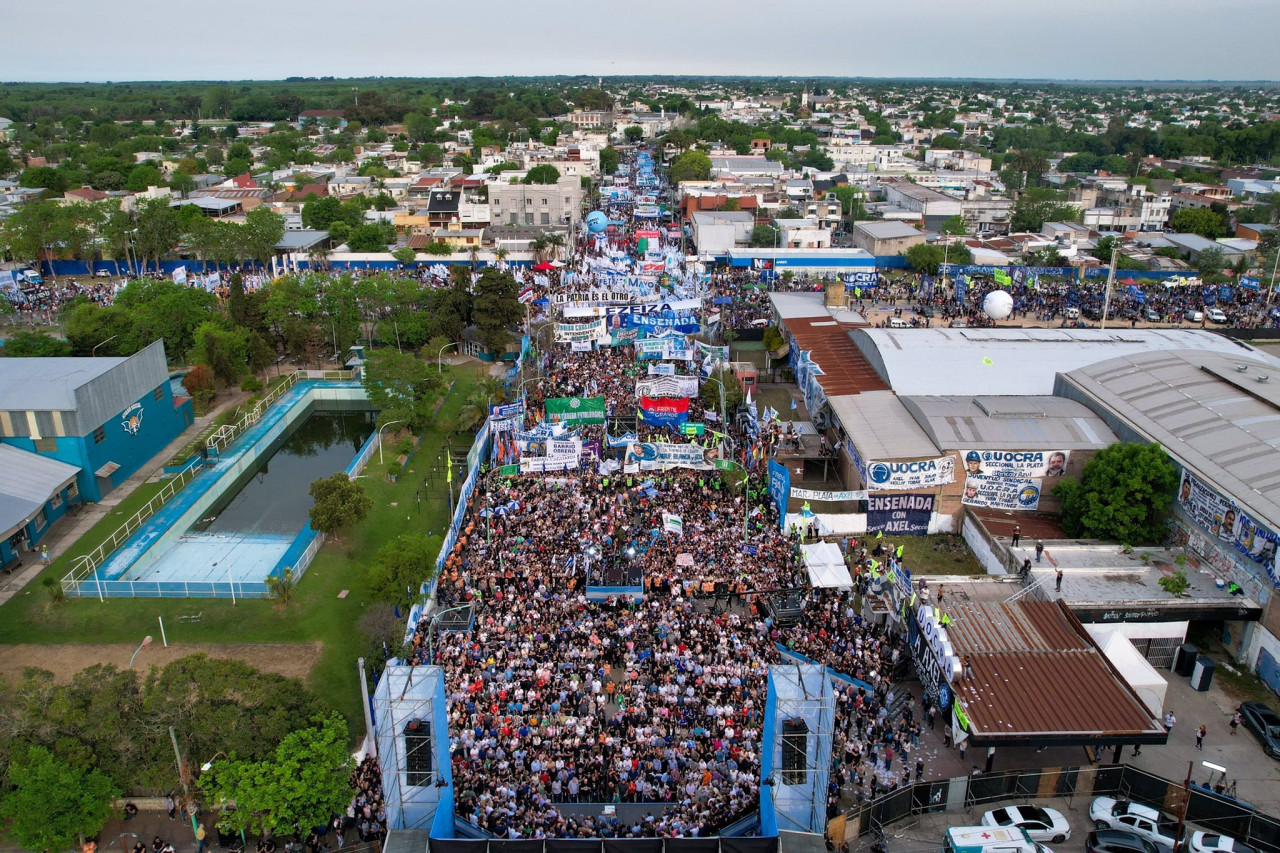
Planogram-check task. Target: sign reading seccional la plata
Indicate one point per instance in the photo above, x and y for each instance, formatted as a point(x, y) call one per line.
point(1016, 464)
point(918, 474)
point(907, 514)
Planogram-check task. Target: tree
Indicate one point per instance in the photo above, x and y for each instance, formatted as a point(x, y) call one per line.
point(27, 343)
point(609, 160)
point(955, 226)
point(851, 206)
point(1037, 206)
point(1122, 495)
point(401, 566)
point(52, 804)
point(543, 173)
point(261, 231)
point(496, 308)
point(368, 238)
point(402, 387)
point(304, 783)
point(764, 237)
point(1198, 220)
point(225, 351)
point(691, 166)
point(633, 133)
point(1210, 263)
point(404, 255)
point(282, 586)
point(339, 502)
point(928, 257)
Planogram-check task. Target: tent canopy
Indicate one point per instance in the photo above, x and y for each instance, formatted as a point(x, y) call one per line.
point(1145, 680)
point(826, 566)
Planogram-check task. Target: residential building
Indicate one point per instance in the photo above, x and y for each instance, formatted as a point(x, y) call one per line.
point(802, 234)
point(885, 238)
point(715, 232)
point(535, 204)
point(934, 207)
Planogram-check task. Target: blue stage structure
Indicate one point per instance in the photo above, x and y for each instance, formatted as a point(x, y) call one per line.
point(795, 766)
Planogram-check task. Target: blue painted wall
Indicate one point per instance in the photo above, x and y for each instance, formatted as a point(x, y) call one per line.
point(35, 532)
point(161, 423)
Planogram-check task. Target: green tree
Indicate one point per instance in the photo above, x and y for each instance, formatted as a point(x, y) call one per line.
point(369, 238)
point(226, 351)
point(339, 502)
point(608, 160)
point(543, 173)
point(1199, 220)
point(1123, 495)
point(404, 255)
point(402, 387)
point(302, 784)
point(633, 133)
point(690, 166)
point(764, 237)
point(927, 257)
point(496, 308)
point(1209, 263)
point(262, 230)
point(52, 804)
point(851, 204)
point(401, 566)
point(955, 226)
point(1037, 206)
point(27, 343)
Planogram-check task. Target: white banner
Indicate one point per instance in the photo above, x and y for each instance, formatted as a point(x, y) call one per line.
point(811, 495)
point(668, 386)
point(1016, 464)
point(562, 455)
point(673, 307)
point(593, 330)
point(918, 474)
point(1002, 492)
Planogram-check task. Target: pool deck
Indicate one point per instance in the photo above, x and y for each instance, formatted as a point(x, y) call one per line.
point(187, 556)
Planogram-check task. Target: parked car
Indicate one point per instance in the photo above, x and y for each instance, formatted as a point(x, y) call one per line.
point(1211, 842)
point(925, 311)
point(1110, 813)
point(959, 324)
point(1071, 312)
point(1119, 841)
point(1215, 315)
point(1265, 723)
point(1151, 315)
point(1191, 315)
point(1040, 824)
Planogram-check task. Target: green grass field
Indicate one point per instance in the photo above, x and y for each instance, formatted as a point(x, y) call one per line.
point(316, 615)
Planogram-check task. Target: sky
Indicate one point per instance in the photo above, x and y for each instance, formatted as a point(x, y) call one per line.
point(84, 41)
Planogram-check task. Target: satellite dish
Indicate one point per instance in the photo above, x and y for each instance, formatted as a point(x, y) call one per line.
point(998, 304)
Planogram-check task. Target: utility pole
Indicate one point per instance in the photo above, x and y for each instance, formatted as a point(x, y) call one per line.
point(1186, 801)
point(1111, 279)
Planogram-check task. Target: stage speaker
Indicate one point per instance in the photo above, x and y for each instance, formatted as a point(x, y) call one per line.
point(417, 753)
point(795, 751)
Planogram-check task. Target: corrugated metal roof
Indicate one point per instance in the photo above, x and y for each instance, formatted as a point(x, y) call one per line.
point(1007, 361)
point(1013, 423)
point(794, 305)
point(27, 481)
point(1036, 672)
point(1217, 420)
point(844, 369)
point(880, 425)
point(48, 384)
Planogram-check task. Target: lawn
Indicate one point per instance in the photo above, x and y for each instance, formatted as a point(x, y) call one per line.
point(317, 614)
point(939, 554)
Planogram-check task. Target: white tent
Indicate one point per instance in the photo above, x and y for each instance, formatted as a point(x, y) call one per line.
point(826, 566)
point(1145, 680)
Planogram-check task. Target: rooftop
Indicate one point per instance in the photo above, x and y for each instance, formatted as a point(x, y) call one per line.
point(1217, 412)
point(1022, 423)
point(48, 384)
point(887, 230)
point(27, 481)
point(1011, 361)
point(844, 370)
point(880, 425)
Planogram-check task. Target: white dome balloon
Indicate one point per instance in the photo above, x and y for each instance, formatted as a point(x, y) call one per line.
point(998, 304)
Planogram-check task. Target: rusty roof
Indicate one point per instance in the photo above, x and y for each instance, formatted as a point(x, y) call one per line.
point(845, 370)
point(1036, 672)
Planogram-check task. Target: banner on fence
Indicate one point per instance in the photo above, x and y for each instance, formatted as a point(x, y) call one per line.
point(1016, 464)
point(1001, 492)
point(917, 474)
point(584, 410)
point(909, 514)
point(594, 330)
point(814, 495)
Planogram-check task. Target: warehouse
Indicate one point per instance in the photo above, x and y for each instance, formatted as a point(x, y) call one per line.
point(105, 416)
point(34, 492)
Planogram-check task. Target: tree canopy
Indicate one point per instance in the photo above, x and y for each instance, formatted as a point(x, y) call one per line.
point(339, 502)
point(52, 804)
point(1123, 495)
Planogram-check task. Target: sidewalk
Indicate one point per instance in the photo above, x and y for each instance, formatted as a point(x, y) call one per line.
point(67, 530)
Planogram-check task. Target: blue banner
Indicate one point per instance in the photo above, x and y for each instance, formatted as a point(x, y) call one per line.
point(962, 285)
point(780, 490)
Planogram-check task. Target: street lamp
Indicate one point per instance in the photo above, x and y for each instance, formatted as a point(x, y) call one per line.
point(380, 429)
point(589, 553)
point(146, 641)
point(440, 355)
point(204, 768)
point(94, 352)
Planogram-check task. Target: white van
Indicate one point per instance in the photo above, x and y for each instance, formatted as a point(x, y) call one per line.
point(898, 323)
point(987, 839)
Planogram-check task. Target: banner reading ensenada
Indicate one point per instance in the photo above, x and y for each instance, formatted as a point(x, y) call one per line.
point(583, 410)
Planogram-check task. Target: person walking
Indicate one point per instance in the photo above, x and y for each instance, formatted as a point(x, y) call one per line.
point(1039, 550)
point(1017, 534)
point(1200, 733)
point(170, 806)
point(1057, 587)
point(1169, 720)
point(1235, 722)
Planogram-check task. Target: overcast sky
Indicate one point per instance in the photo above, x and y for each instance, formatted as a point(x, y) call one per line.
point(89, 40)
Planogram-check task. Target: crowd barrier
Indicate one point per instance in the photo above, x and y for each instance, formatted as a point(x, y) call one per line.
point(719, 844)
point(1212, 812)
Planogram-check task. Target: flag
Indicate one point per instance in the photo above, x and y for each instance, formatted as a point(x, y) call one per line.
point(672, 523)
point(448, 477)
point(986, 359)
point(180, 275)
point(898, 552)
point(794, 405)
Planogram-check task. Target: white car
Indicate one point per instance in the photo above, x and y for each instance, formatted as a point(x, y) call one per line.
point(1040, 824)
point(1110, 813)
point(1215, 315)
point(1210, 842)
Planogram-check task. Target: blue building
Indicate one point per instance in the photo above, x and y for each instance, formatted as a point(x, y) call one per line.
point(105, 416)
point(35, 491)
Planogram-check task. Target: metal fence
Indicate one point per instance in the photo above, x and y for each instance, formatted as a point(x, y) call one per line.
point(227, 433)
point(1209, 811)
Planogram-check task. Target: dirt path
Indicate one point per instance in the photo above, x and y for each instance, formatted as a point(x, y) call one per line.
point(294, 660)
